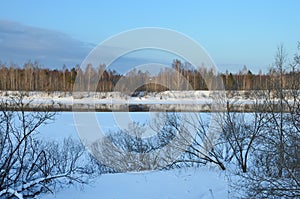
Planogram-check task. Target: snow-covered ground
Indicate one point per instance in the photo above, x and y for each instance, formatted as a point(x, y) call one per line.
point(203, 182)
point(192, 183)
point(116, 101)
point(167, 97)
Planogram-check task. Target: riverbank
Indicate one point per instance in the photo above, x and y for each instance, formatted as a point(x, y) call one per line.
point(180, 101)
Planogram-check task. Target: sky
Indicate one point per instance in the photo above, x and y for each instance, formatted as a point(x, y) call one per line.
point(234, 33)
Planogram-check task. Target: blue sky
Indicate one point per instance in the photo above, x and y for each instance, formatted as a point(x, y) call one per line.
point(234, 33)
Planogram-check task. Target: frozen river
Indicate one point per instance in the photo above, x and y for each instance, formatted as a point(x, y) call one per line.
point(66, 123)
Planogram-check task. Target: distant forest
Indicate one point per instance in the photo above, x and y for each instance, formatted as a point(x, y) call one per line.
point(31, 77)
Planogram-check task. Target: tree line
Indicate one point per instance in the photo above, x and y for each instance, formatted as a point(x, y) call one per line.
point(181, 76)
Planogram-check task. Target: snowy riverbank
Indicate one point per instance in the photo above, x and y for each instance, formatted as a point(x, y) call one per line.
point(202, 101)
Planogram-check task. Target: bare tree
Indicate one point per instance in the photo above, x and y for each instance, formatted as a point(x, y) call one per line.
point(29, 166)
point(240, 131)
point(195, 138)
point(128, 151)
point(274, 171)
